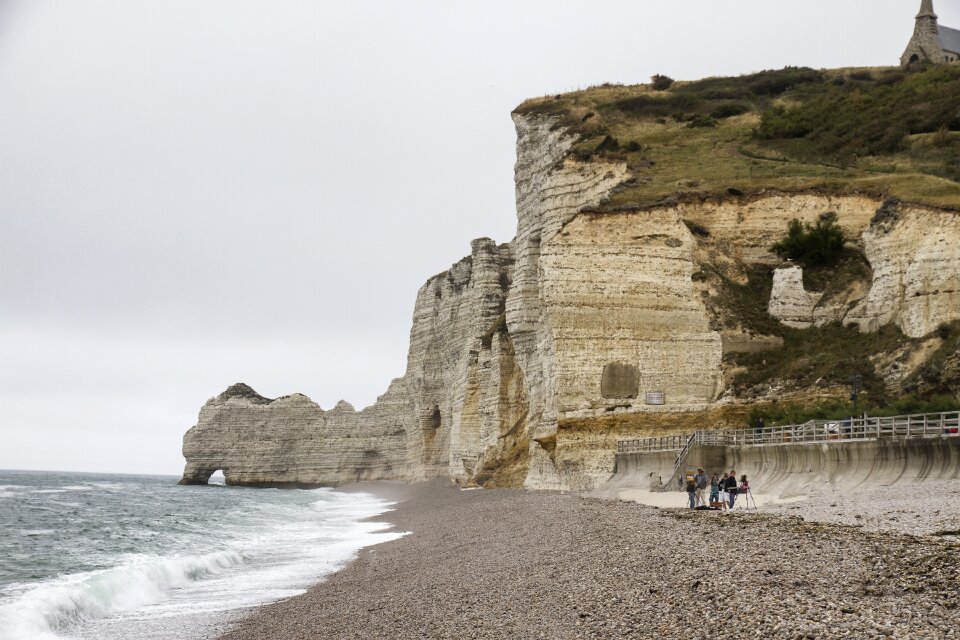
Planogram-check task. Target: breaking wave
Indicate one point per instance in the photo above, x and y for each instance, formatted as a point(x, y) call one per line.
point(155, 561)
point(63, 604)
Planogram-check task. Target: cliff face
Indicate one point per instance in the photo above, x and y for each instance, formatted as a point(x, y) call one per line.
point(456, 409)
point(528, 360)
point(915, 255)
point(462, 413)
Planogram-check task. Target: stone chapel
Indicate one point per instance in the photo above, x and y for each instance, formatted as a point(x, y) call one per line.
point(931, 42)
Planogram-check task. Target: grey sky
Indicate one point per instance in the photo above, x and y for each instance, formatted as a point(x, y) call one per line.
point(194, 193)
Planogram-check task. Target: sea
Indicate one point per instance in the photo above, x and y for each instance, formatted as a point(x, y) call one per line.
point(105, 557)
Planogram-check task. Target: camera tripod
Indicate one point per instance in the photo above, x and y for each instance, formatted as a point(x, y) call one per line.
point(747, 498)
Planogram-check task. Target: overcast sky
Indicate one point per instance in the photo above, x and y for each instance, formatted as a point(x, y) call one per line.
point(200, 192)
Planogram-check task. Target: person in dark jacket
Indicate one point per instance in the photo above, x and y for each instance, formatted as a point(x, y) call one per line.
point(723, 490)
point(731, 486)
point(702, 482)
point(692, 491)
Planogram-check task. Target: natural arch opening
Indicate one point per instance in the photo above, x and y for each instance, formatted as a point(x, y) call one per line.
point(217, 478)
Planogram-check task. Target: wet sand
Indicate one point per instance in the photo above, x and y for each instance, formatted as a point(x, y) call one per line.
point(515, 564)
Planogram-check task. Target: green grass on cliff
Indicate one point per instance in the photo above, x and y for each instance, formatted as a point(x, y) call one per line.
point(822, 357)
point(828, 357)
point(882, 132)
point(788, 413)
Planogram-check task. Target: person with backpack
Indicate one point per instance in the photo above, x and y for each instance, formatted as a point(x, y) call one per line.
point(731, 486)
point(701, 481)
point(692, 492)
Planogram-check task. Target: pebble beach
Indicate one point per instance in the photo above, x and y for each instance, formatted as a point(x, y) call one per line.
point(516, 564)
point(931, 507)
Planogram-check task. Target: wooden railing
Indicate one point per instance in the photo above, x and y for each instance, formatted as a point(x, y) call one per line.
point(645, 445)
point(928, 425)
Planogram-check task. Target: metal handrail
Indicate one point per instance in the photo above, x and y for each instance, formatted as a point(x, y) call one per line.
point(682, 456)
point(928, 425)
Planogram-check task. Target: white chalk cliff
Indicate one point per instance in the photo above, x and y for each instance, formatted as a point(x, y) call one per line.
point(528, 360)
point(789, 302)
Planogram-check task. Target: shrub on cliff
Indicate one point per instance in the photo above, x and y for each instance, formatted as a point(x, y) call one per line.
point(729, 109)
point(831, 121)
point(609, 144)
point(661, 83)
point(701, 122)
point(812, 245)
point(608, 147)
point(654, 106)
point(785, 414)
point(755, 86)
point(718, 97)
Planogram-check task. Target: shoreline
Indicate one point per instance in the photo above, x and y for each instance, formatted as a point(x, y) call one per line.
point(498, 563)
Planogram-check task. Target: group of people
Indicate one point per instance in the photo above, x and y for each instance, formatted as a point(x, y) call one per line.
point(723, 490)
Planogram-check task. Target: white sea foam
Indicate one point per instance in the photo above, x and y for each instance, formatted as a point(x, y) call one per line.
point(10, 490)
point(113, 486)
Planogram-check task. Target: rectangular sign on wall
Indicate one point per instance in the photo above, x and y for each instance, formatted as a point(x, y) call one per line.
point(655, 397)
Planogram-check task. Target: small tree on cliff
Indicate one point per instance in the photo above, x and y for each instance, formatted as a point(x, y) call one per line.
point(661, 83)
point(812, 245)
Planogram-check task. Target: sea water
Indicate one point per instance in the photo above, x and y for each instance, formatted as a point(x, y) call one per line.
point(120, 557)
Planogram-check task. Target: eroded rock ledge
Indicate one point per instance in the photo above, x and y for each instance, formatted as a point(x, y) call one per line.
point(505, 373)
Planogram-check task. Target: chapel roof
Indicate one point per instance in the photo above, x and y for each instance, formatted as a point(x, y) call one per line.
point(950, 39)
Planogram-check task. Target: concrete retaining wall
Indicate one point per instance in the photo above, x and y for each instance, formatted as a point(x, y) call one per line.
point(650, 470)
point(786, 468)
point(640, 469)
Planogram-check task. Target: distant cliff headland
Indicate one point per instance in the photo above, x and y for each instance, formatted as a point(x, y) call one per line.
point(642, 296)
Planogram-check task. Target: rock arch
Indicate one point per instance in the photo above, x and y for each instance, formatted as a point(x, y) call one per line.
point(201, 475)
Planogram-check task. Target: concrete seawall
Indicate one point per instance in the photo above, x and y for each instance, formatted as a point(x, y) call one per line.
point(642, 470)
point(786, 468)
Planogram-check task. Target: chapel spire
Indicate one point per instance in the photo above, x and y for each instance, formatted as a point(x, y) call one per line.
point(926, 10)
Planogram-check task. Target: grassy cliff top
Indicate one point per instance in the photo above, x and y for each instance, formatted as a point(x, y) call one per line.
point(883, 131)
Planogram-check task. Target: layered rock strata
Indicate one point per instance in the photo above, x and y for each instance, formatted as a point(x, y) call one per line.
point(789, 302)
point(915, 255)
point(529, 360)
